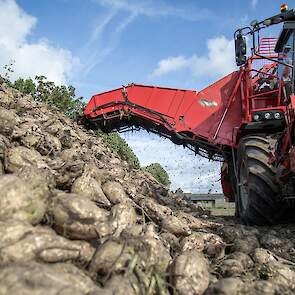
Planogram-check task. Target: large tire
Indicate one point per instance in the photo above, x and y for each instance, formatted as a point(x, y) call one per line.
point(258, 198)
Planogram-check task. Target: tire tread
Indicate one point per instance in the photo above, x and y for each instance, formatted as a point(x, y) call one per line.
point(264, 201)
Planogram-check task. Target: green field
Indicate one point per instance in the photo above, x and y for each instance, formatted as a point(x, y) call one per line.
point(223, 211)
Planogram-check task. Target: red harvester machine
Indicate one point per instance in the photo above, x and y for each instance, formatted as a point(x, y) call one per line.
point(245, 119)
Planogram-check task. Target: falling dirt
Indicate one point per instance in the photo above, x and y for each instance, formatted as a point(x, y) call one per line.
point(76, 219)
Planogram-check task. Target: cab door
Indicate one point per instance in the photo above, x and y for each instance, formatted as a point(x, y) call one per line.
point(286, 67)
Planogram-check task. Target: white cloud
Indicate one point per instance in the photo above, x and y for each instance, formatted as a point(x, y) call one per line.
point(171, 64)
point(157, 8)
point(254, 3)
point(127, 11)
point(31, 59)
point(100, 27)
point(219, 60)
point(104, 46)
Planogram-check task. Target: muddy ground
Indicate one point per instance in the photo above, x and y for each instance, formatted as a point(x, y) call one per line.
point(76, 219)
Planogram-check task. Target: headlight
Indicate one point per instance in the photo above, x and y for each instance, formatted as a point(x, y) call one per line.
point(256, 117)
point(267, 116)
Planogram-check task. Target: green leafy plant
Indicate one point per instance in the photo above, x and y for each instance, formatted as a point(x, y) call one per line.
point(159, 173)
point(62, 97)
point(26, 86)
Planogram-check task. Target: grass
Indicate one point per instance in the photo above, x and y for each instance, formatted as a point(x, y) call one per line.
point(223, 211)
point(221, 208)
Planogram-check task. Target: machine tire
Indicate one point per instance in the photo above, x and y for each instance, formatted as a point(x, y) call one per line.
point(258, 197)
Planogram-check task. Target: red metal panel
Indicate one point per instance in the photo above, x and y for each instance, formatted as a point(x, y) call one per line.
point(206, 113)
point(201, 114)
point(227, 189)
point(100, 99)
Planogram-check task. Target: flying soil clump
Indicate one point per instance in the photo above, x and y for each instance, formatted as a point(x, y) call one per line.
point(76, 219)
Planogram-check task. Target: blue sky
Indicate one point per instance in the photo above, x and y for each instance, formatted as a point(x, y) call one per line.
point(97, 45)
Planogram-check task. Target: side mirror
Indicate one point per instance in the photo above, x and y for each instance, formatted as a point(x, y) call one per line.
point(241, 49)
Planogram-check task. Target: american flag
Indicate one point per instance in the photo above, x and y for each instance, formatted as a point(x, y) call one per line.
point(267, 46)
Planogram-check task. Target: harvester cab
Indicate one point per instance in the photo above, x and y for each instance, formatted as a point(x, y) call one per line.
point(245, 119)
point(279, 51)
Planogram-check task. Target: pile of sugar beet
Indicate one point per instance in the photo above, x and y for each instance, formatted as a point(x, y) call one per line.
point(76, 219)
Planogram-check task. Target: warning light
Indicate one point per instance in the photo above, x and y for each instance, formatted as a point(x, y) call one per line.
point(284, 7)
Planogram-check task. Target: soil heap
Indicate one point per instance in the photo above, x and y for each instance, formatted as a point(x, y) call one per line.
point(76, 219)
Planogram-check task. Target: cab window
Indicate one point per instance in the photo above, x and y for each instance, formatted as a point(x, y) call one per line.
point(285, 72)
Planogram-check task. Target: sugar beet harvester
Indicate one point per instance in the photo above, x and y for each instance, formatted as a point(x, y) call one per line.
point(245, 119)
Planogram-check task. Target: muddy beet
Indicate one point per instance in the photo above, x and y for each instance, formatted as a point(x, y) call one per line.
point(76, 219)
